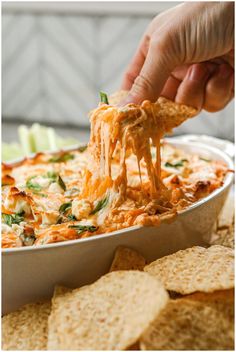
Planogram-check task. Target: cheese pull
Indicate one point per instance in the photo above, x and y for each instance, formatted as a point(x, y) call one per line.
point(118, 132)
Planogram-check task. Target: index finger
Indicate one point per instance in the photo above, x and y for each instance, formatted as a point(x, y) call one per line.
point(136, 64)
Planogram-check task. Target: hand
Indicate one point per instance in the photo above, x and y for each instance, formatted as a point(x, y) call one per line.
point(186, 55)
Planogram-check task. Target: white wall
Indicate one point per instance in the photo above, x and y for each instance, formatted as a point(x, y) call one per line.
point(56, 57)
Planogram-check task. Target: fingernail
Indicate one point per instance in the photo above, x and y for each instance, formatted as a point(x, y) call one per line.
point(198, 72)
point(225, 71)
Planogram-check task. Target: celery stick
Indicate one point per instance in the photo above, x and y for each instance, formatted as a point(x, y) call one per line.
point(51, 135)
point(11, 151)
point(25, 139)
point(40, 137)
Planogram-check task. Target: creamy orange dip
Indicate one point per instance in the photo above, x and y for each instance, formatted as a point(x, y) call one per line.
point(124, 177)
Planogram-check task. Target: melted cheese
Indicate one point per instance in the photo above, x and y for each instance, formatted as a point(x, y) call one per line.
point(119, 133)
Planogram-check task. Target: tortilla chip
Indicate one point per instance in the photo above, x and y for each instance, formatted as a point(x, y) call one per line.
point(134, 347)
point(127, 259)
point(174, 114)
point(202, 321)
point(221, 295)
point(195, 269)
point(224, 237)
point(171, 113)
point(110, 314)
point(117, 97)
point(59, 291)
point(226, 217)
point(26, 329)
point(224, 232)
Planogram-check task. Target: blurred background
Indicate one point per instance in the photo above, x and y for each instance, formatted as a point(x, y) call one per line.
point(57, 56)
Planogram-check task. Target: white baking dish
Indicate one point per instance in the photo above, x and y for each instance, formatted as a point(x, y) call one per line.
point(30, 273)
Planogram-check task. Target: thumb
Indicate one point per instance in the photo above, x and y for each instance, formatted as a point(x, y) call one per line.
point(155, 71)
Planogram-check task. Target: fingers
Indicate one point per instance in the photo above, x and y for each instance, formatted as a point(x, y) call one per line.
point(219, 89)
point(205, 85)
point(192, 90)
point(135, 65)
point(173, 82)
point(153, 75)
point(170, 88)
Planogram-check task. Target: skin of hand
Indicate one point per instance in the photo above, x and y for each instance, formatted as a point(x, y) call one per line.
point(186, 55)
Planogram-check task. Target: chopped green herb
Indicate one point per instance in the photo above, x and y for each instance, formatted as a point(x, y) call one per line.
point(52, 176)
point(40, 194)
point(64, 207)
point(176, 165)
point(82, 228)
point(59, 220)
point(33, 185)
point(82, 148)
point(55, 177)
point(207, 160)
point(61, 158)
point(100, 205)
point(104, 98)
point(71, 217)
point(11, 219)
point(63, 219)
point(61, 183)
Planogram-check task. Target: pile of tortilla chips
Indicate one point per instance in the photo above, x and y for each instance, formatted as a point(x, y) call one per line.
point(130, 308)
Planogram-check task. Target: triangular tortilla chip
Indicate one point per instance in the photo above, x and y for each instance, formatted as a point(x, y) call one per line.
point(127, 259)
point(170, 114)
point(226, 216)
point(110, 314)
point(195, 269)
